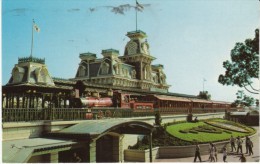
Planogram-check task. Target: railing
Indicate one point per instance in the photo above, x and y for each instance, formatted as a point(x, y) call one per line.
point(34, 114)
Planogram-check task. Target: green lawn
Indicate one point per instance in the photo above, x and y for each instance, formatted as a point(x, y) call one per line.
point(174, 130)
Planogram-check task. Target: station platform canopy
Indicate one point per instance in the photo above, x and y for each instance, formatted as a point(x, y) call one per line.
point(97, 128)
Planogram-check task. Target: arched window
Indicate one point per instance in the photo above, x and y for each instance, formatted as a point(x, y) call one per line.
point(17, 74)
point(116, 68)
point(133, 74)
point(155, 78)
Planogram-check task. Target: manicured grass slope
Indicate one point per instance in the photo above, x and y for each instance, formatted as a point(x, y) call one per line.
point(175, 129)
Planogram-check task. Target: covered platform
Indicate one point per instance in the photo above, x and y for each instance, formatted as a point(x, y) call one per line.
point(104, 137)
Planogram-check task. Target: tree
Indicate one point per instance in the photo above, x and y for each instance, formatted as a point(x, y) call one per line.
point(244, 65)
point(204, 95)
point(243, 100)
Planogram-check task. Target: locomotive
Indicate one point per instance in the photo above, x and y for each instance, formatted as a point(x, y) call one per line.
point(118, 100)
point(122, 101)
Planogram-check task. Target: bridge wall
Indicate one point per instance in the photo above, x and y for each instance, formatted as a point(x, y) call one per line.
point(34, 129)
point(23, 130)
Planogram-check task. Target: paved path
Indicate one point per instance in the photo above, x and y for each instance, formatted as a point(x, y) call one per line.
point(231, 157)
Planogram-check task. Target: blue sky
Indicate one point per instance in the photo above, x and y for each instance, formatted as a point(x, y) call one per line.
point(191, 38)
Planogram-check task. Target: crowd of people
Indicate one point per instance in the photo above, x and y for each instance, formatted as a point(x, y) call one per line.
point(248, 144)
point(236, 147)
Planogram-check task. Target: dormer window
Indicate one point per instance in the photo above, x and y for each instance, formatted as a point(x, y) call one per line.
point(17, 74)
point(82, 71)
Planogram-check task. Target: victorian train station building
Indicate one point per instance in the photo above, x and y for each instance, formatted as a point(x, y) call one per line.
point(132, 72)
point(42, 124)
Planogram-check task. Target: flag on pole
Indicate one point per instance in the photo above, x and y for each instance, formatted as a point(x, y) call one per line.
point(139, 7)
point(36, 28)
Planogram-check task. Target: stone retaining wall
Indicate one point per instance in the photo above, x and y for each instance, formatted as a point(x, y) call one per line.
point(23, 130)
point(170, 152)
point(188, 151)
point(132, 155)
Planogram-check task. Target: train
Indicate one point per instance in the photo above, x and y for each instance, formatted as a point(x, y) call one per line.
point(165, 104)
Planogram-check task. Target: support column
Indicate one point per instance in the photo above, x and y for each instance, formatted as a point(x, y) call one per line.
point(92, 152)
point(12, 100)
point(7, 101)
point(121, 150)
point(43, 101)
point(30, 101)
point(54, 157)
point(23, 101)
point(37, 101)
point(4, 101)
point(18, 101)
point(64, 102)
point(33, 101)
point(151, 146)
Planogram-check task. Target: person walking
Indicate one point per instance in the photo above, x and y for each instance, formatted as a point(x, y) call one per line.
point(210, 147)
point(225, 154)
point(232, 143)
point(250, 147)
point(215, 153)
point(247, 144)
point(211, 153)
point(197, 153)
point(239, 145)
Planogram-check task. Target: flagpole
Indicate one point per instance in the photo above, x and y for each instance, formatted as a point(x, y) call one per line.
point(32, 39)
point(136, 16)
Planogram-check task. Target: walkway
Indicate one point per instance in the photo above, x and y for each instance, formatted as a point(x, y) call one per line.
point(230, 158)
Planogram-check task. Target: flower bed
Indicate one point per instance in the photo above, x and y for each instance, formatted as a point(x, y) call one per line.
point(203, 128)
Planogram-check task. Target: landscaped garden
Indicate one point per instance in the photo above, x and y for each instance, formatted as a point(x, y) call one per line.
point(208, 131)
point(186, 133)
